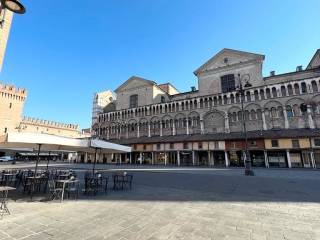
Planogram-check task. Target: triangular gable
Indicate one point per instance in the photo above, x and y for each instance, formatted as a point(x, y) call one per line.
point(228, 57)
point(315, 61)
point(134, 82)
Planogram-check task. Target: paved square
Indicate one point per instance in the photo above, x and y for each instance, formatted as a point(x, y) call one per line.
point(181, 204)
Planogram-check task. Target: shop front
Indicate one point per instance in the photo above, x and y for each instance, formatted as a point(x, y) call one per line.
point(257, 158)
point(202, 158)
point(236, 148)
point(235, 158)
point(186, 158)
point(277, 159)
point(219, 158)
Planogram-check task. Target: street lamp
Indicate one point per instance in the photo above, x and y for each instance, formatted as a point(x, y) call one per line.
point(13, 5)
point(241, 89)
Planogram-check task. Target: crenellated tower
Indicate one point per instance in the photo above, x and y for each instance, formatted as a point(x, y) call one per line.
point(12, 101)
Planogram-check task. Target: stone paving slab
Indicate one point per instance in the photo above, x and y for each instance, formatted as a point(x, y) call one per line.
point(172, 211)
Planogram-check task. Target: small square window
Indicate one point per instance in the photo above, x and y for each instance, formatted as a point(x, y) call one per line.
point(158, 146)
point(295, 143)
point(253, 143)
point(135, 147)
point(200, 145)
point(317, 142)
point(171, 146)
point(185, 146)
point(274, 143)
point(144, 147)
point(216, 145)
point(233, 145)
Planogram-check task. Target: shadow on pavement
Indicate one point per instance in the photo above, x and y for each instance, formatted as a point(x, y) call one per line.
point(175, 186)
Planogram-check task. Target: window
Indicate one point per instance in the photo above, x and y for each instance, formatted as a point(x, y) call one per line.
point(134, 101)
point(228, 83)
point(295, 143)
point(200, 145)
point(171, 146)
point(10, 105)
point(317, 142)
point(289, 111)
point(5, 130)
point(135, 147)
point(158, 146)
point(274, 143)
point(185, 146)
point(144, 147)
point(253, 143)
point(163, 99)
point(216, 145)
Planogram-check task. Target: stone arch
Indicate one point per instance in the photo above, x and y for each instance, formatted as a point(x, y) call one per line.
point(143, 127)
point(180, 121)
point(274, 114)
point(167, 125)
point(214, 121)
point(194, 122)
point(298, 115)
point(155, 126)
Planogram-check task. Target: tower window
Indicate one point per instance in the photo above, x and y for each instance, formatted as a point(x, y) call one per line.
point(10, 105)
point(134, 101)
point(228, 83)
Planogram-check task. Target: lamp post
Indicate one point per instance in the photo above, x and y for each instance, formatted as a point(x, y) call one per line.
point(241, 89)
point(13, 6)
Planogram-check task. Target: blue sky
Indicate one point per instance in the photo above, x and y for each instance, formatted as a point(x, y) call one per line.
point(63, 52)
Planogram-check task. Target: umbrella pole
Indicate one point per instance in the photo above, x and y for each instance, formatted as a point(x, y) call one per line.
point(35, 171)
point(48, 160)
point(94, 162)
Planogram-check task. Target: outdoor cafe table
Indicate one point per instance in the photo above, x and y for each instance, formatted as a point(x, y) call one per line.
point(64, 182)
point(4, 197)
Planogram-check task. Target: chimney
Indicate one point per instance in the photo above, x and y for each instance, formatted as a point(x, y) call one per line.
point(193, 89)
point(272, 73)
point(299, 68)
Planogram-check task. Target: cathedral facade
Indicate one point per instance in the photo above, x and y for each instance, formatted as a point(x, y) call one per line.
point(205, 125)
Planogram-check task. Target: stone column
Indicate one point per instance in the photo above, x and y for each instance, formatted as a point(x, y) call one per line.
point(310, 119)
point(140, 158)
point(86, 157)
point(264, 124)
point(152, 158)
point(202, 125)
point(160, 128)
point(138, 130)
point(178, 158)
point(226, 123)
point(193, 158)
point(312, 159)
point(120, 159)
point(108, 133)
point(173, 128)
point(149, 130)
point(226, 158)
point(187, 126)
point(209, 158)
point(165, 158)
point(119, 135)
point(266, 162)
point(288, 158)
point(130, 158)
point(286, 122)
point(127, 131)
